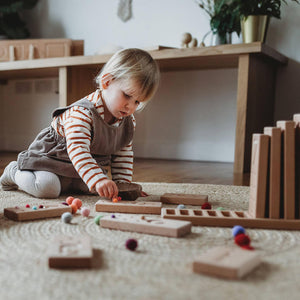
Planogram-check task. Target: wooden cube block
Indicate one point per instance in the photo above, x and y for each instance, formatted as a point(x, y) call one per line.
point(70, 252)
point(149, 225)
point(258, 175)
point(227, 262)
point(26, 214)
point(188, 199)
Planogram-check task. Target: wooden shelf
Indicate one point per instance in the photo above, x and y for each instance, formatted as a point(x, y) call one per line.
point(257, 66)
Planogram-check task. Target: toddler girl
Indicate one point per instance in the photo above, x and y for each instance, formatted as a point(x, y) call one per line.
point(86, 136)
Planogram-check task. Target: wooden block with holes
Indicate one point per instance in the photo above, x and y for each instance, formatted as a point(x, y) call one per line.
point(258, 175)
point(148, 225)
point(296, 119)
point(70, 252)
point(274, 171)
point(188, 199)
point(288, 158)
point(224, 218)
point(25, 214)
point(227, 262)
point(134, 207)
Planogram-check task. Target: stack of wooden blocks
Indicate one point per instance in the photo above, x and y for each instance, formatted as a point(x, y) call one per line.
point(274, 184)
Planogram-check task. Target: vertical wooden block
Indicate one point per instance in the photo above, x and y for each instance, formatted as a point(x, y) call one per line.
point(288, 142)
point(274, 170)
point(297, 164)
point(258, 175)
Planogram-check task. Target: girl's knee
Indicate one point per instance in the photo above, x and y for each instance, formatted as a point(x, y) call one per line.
point(47, 185)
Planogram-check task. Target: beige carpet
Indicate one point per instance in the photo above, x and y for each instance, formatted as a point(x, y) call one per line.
point(160, 269)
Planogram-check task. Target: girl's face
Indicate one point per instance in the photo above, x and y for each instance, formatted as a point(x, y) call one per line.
point(121, 98)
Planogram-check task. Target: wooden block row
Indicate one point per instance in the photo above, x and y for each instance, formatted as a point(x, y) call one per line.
point(148, 225)
point(26, 214)
point(133, 207)
point(222, 218)
point(227, 262)
point(188, 199)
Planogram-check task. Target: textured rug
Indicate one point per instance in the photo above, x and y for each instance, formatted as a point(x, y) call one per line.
point(161, 268)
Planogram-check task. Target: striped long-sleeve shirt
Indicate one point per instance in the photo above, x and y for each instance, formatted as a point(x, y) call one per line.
point(75, 125)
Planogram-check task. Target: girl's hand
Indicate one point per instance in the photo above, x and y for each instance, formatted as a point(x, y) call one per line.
point(107, 188)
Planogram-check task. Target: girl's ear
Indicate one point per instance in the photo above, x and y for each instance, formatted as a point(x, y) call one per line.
point(106, 80)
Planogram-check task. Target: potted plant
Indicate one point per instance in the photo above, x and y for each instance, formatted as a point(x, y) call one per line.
point(255, 16)
point(224, 18)
point(11, 24)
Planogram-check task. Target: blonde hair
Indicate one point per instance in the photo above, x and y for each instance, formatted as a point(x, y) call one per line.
point(135, 65)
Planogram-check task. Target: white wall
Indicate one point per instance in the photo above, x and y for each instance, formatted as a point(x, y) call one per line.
point(193, 114)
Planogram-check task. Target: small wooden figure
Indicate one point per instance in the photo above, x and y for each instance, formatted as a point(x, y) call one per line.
point(36, 212)
point(133, 207)
point(129, 191)
point(186, 39)
point(188, 199)
point(227, 262)
point(142, 224)
point(70, 252)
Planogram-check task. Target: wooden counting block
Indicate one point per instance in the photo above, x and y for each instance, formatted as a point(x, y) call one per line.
point(258, 175)
point(288, 142)
point(296, 119)
point(274, 170)
point(227, 262)
point(134, 207)
point(70, 252)
point(148, 225)
point(188, 199)
point(25, 214)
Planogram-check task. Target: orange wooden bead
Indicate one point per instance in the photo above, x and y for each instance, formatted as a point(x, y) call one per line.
point(69, 200)
point(78, 202)
point(74, 208)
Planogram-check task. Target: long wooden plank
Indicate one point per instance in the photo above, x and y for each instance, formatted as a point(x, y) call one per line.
point(213, 218)
point(149, 225)
point(133, 207)
point(274, 170)
point(188, 199)
point(258, 175)
point(288, 142)
point(296, 119)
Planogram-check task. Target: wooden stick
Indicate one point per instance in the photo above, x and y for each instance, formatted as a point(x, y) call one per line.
point(297, 165)
point(188, 199)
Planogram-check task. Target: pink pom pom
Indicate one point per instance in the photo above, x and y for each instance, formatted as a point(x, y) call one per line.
point(85, 211)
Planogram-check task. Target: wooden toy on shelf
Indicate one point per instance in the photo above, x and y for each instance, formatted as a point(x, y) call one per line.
point(36, 212)
point(148, 225)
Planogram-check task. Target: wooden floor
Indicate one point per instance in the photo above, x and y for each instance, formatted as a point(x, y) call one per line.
point(176, 171)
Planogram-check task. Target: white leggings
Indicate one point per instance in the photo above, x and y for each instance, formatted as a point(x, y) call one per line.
point(43, 184)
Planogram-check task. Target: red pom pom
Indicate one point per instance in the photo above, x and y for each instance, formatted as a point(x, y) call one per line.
point(206, 205)
point(242, 240)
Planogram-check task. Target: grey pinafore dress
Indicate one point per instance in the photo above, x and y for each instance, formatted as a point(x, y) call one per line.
point(48, 152)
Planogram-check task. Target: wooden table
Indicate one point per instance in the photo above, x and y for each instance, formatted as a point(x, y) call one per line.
point(257, 66)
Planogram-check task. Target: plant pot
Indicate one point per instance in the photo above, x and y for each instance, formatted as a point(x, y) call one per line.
point(254, 28)
point(220, 40)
